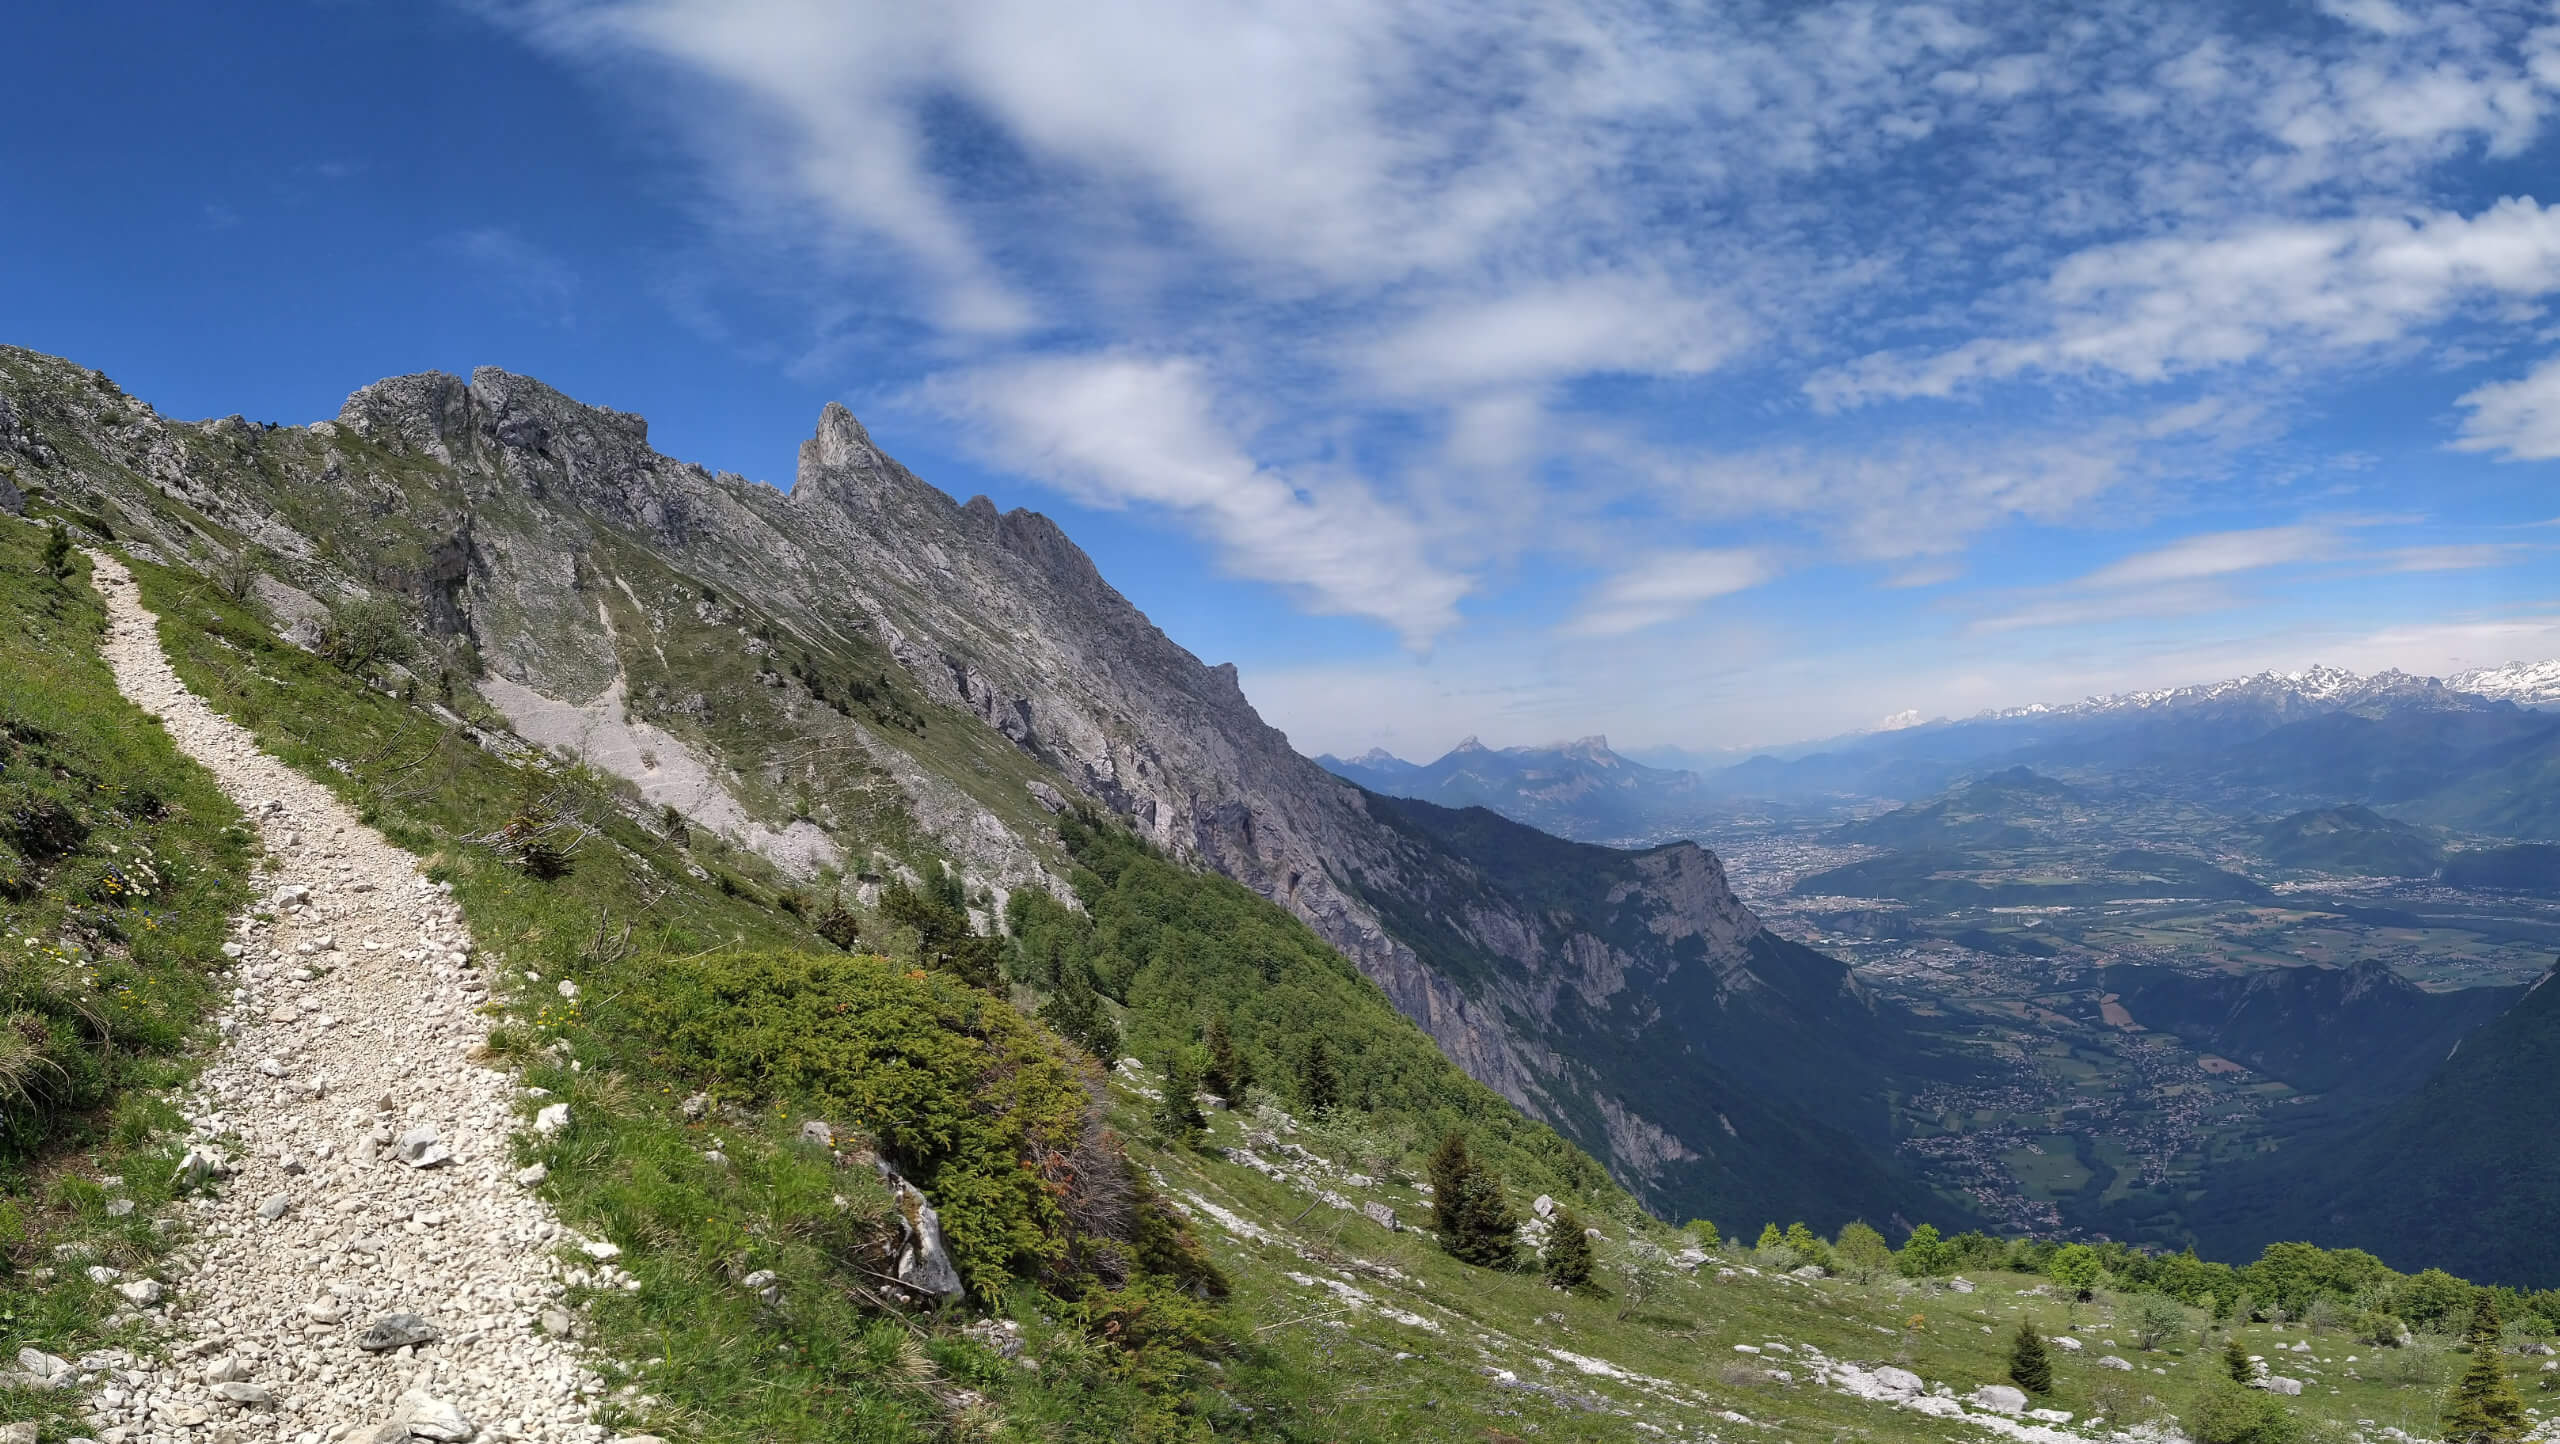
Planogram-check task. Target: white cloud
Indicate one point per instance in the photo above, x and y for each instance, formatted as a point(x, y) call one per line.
point(2153, 309)
point(2453, 557)
point(2519, 420)
point(1537, 334)
point(1917, 494)
point(2217, 554)
point(2086, 610)
point(1665, 586)
point(1118, 430)
point(1390, 300)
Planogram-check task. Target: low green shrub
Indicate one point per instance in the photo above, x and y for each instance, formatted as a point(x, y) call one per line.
point(979, 1107)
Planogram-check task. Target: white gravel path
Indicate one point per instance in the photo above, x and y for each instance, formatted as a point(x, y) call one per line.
point(345, 1041)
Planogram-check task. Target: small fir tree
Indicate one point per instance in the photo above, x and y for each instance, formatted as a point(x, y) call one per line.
point(1475, 1225)
point(1319, 1087)
point(1227, 1073)
point(1568, 1262)
point(1177, 1112)
point(1076, 1011)
point(57, 550)
point(2484, 1408)
point(1703, 1231)
point(1770, 1238)
point(838, 925)
point(2030, 1367)
point(2235, 1360)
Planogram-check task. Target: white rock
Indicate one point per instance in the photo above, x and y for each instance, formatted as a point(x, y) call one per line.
point(144, 1292)
point(551, 1119)
point(2110, 1361)
point(2066, 1343)
point(1998, 1398)
point(432, 1418)
point(1898, 1383)
point(420, 1148)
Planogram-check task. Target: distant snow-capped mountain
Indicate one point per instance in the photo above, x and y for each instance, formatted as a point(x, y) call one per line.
point(2527, 684)
point(2317, 688)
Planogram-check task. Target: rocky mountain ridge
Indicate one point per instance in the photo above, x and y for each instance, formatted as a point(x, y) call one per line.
point(785, 667)
point(2527, 684)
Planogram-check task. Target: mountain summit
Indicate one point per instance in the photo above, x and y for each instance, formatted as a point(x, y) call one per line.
point(760, 663)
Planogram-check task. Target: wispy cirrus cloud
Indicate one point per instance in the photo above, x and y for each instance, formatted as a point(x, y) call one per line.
point(2217, 554)
point(1389, 302)
point(1118, 430)
point(2162, 307)
point(1666, 586)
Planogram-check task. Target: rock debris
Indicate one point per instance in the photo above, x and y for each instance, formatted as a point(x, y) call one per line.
point(367, 1263)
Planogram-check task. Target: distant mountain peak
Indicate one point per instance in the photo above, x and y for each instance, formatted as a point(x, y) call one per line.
point(1468, 743)
point(2527, 684)
point(2318, 686)
point(1379, 757)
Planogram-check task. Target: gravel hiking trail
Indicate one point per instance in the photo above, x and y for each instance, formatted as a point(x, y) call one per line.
point(367, 1264)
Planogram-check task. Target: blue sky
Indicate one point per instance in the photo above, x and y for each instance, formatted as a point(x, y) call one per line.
point(1700, 375)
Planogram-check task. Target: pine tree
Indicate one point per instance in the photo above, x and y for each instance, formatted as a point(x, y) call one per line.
point(1076, 1011)
point(1177, 1112)
point(1475, 1225)
point(838, 925)
point(57, 550)
point(2235, 1361)
point(1319, 1087)
point(2030, 1367)
point(2484, 1408)
point(1228, 1074)
point(1568, 1263)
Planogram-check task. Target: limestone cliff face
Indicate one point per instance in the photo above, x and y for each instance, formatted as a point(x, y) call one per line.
point(1628, 998)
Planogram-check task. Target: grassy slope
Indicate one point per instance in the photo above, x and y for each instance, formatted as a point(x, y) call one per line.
point(720, 1365)
point(1293, 1361)
point(108, 951)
